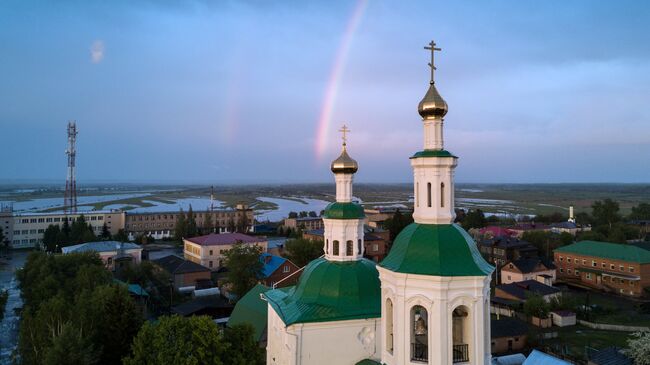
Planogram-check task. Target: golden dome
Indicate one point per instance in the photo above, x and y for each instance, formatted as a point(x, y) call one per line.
point(432, 105)
point(344, 164)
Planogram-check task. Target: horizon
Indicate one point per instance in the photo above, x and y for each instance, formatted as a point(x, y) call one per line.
point(247, 93)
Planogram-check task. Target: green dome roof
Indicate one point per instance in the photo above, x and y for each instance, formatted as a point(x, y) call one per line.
point(330, 291)
point(436, 249)
point(338, 210)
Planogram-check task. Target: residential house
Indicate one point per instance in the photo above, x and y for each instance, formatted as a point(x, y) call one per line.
point(278, 270)
point(508, 335)
point(304, 223)
point(501, 249)
point(521, 291)
point(518, 230)
point(209, 250)
point(606, 266)
point(563, 318)
point(112, 253)
point(495, 231)
point(184, 273)
point(524, 269)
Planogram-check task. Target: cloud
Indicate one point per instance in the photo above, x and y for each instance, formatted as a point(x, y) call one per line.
point(97, 51)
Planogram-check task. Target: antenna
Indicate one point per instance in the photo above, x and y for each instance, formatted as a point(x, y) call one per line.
point(70, 197)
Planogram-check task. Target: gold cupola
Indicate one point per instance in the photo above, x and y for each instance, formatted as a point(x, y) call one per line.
point(344, 164)
point(432, 105)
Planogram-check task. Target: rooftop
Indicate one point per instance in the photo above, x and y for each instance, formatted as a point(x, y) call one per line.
point(609, 250)
point(271, 263)
point(251, 309)
point(214, 239)
point(523, 289)
point(100, 246)
point(176, 265)
point(508, 327)
point(529, 265)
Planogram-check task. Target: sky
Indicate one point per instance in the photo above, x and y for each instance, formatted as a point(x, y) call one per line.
point(255, 91)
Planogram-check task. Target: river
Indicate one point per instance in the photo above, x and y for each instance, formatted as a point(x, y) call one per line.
point(9, 262)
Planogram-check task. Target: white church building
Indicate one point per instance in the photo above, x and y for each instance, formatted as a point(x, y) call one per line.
point(427, 302)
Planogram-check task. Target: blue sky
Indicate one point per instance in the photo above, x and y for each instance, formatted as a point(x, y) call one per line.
point(218, 92)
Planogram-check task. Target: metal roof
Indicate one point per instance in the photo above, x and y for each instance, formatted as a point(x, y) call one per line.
point(609, 250)
point(100, 246)
point(253, 310)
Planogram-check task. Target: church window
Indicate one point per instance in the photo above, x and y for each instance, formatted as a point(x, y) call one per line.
point(349, 248)
point(442, 195)
point(359, 246)
point(389, 326)
point(335, 248)
point(327, 246)
point(429, 195)
point(419, 334)
point(461, 333)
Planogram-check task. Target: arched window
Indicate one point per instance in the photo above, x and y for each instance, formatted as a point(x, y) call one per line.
point(419, 334)
point(461, 334)
point(442, 195)
point(335, 248)
point(360, 247)
point(349, 248)
point(389, 326)
point(327, 246)
point(429, 195)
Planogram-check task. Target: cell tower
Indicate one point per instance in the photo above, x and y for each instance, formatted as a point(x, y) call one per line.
point(70, 198)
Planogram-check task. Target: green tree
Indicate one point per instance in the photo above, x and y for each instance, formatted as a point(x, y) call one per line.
point(244, 267)
point(4, 296)
point(121, 236)
point(301, 251)
point(293, 215)
point(313, 214)
point(242, 223)
point(51, 238)
point(639, 348)
point(536, 306)
point(191, 229)
point(640, 212)
point(243, 349)
point(70, 346)
point(474, 219)
point(397, 223)
point(106, 234)
point(180, 341)
point(2, 237)
point(605, 212)
point(80, 232)
point(208, 225)
point(180, 230)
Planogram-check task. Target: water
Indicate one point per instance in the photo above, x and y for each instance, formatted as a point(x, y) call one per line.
point(197, 203)
point(286, 205)
point(9, 262)
point(36, 205)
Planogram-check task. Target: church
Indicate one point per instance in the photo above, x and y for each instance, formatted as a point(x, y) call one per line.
point(427, 302)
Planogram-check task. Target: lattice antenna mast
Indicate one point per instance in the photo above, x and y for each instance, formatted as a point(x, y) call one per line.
point(70, 198)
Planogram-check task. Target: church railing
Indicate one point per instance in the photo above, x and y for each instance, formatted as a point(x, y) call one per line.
point(461, 353)
point(419, 352)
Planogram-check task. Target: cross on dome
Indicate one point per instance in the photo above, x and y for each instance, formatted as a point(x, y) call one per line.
point(344, 131)
point(432, 47)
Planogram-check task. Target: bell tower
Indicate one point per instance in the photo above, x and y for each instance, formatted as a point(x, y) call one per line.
point(435, 285)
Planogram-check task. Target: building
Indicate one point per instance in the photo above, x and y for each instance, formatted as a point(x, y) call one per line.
point(209, 250)
point(162, 224)
point(508, 335)
point(252, 309)
point(563, 318)
point(537, 357)
point(375, 241)
point(28, 228)
point(303, 223)
point(494, 231)
point(426, 302)
point(278, 270)
point(528, 269)
point(611, 267)
point(109, 251)
point(7, 223)
point(519, 229)
point(521, 291)
point(501, 249)
point(377, 216)
point(184, 273)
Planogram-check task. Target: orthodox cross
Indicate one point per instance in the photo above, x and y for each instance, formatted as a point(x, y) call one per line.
point(344, 131)
point(432, 48)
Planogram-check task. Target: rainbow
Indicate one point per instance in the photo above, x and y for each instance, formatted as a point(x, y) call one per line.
point(334, 81)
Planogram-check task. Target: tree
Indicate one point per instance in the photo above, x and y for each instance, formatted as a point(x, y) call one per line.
point(639, 348)
point(397, 223)
point(293, 215)
point(51, 237)
point(2, 237)
point(536, 306)
point(313, 214)
point(191, 229)
point(80, 232)
point(474, 219)
point(242, 223)
point(208, 226)
point(243, 349)
point(303, 214)
point(121, 236)
point(70, 346)
point(4, 296)
point(180, 230)
point(180, 341)
point(551, 218)
point(244, 267)
point(106, 234)
point(640, 212)
point(605, 212)
point(301, 251)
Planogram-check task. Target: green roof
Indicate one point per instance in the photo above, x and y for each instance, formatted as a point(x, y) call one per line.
point(368, 362)
point(251, 309)
point(436, 249)
point(330, 291)
point(609, 250)
point(433, 153)
point(338, 210)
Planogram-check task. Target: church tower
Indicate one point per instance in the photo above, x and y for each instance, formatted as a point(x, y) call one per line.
point(435, 286)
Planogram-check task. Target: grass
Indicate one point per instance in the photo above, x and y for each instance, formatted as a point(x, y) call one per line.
point(614, 309)
point(575, 339)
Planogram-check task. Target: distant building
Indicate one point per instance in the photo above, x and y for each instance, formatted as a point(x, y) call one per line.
point(162, 224)
point(611, 267)
point(278, 270)
point(495, 231)
point(375, 241)
point(501, 249)
point(508, 335)
point(304, 223)
point(519, 229)
point(563, 318)
point(521, 291)
point(184, 273)
point(524, 269)
point(209, 250)
point(377, 216)
point(109, 251)
point(26, 229)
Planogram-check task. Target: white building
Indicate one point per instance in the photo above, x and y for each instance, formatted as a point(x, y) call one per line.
point(427, 302)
